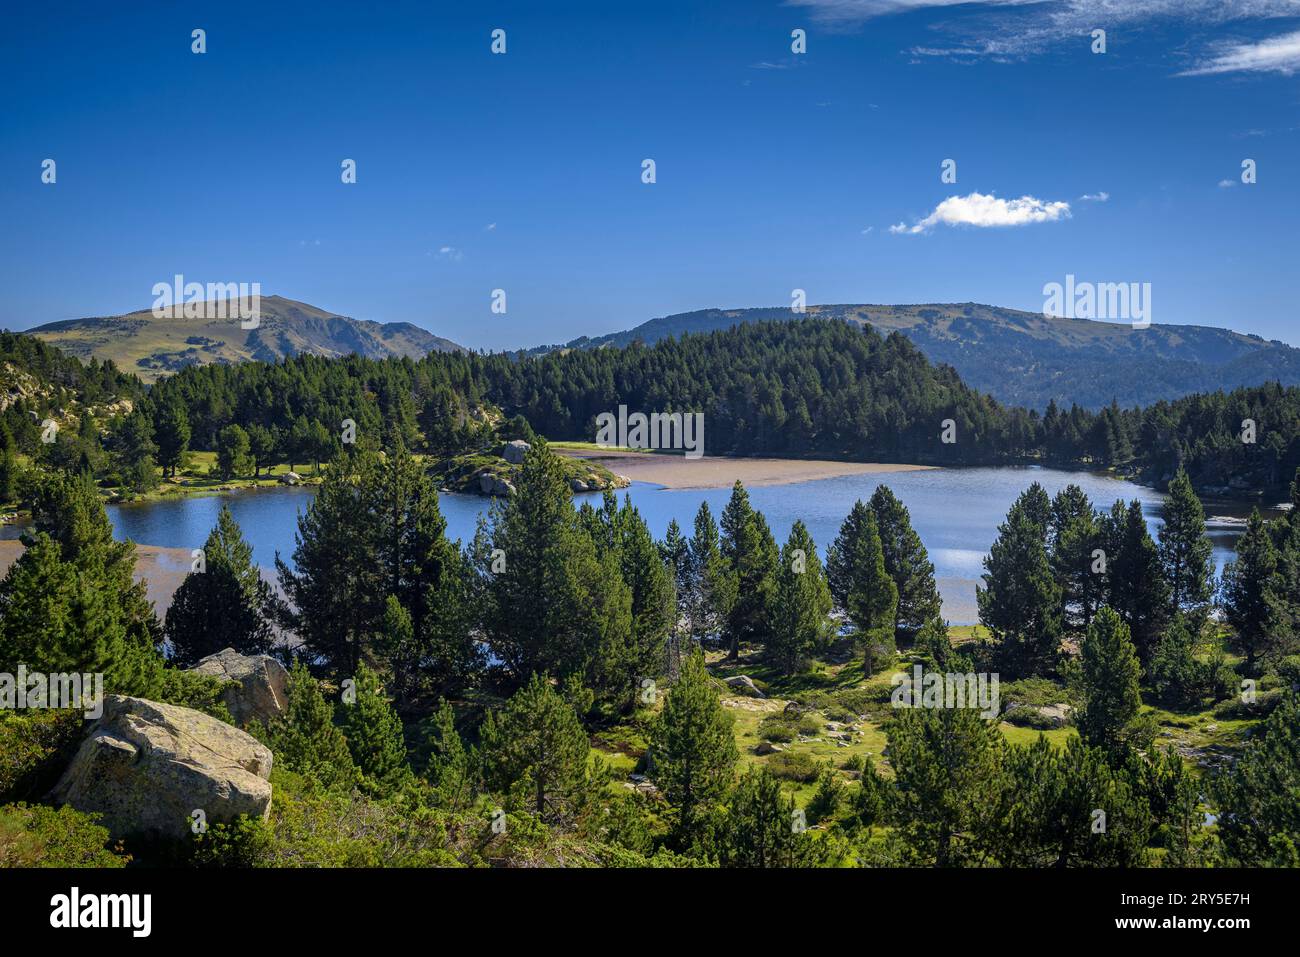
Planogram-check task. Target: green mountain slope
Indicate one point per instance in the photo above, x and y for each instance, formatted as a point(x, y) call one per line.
point(1028, 359)
point(152, 347)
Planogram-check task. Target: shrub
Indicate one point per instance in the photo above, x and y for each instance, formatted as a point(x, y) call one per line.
point(793, 766)
point(34, 748)
point(39, 836)
point(777, 730)
point(829, 797)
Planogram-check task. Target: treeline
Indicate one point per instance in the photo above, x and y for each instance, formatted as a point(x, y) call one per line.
point(808, 388)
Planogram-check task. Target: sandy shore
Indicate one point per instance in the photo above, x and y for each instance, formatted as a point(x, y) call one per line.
point(679, 472)
point(163, 569)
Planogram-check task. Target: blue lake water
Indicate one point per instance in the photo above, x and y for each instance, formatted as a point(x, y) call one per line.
point(955, 511)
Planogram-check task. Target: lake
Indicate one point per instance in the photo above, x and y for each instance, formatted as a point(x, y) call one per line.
point(955, 511)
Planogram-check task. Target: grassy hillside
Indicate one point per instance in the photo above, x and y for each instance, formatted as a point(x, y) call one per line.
point(1025, 358)
point(153, 347)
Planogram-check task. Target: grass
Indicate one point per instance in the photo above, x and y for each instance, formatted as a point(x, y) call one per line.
point(200, 477)
point(460, 473)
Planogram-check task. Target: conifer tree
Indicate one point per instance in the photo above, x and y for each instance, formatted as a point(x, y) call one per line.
point(557, 606)
point(712, 588)
point(535, 752)
point(172, 433)
point(374, 734)
point(1020, 602)
point(1249, 588)
point(860, 585)
point(748, 546)
point(948, 775)
point(692, 749)
point(907, 563)
point(1259, 819)
point(449, 769)
point(234, 456)
point(1185, 550)
point(1136, 581)
point(802, 602)
point(305, 738)
point(1109, 675)
point(225, 604)
point(761, 825)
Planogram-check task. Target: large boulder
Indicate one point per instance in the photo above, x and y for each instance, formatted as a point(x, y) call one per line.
point(513, 452)
point(147, 767)
point(744, 684)
point(261, 690)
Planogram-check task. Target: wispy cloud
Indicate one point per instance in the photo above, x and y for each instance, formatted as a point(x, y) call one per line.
point(1279, 54)
point(1227, 183)
point(450, 253)
point(1100, 196)
point(979, 209)
point(1003, 29)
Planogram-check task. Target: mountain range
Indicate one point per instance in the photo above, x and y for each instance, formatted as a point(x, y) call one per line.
point(1028, 359)
point(151, 346)
point(1020, 358)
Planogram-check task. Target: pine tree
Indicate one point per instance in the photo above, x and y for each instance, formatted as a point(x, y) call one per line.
point(1109, 675)
point(692, 749)
point(172, 431)
point(761, 825)
point(374, 734)
point(70, 602)
point(947, 778)
point(305, 739)
point(225, 605)
point(1020, 602)
point(1249, 587)
point(1185, 550)
point(535, 751)
point(712, 589)
point(802, 602)
point(1074, 540)
point(907, 563)
point(748, 546)
point(449, 769)
point(8, 466)
point(1135, 579)
point(233, 452)
point(1049, 815)
point(860, 585)
point(556, 606)
point(334, 586)
point(1259, 818)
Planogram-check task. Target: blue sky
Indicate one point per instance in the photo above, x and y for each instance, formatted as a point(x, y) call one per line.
point(774, 170)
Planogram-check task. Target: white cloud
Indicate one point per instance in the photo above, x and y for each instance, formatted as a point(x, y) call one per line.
point(1020, 28)
point(1280, 54)
point(1227, 183)
point(1100, 196)
point(450, 253)
point(982, 210)
point(490, 227)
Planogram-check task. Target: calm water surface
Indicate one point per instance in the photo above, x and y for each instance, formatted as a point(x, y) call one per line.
point(955, 511)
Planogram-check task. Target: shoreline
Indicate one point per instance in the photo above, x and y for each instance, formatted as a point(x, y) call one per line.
point(679, 472)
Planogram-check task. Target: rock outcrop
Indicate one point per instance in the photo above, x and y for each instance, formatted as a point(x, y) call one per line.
point(744, 684)
point(148, 767)
point(513, 452)
point(262, 689)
